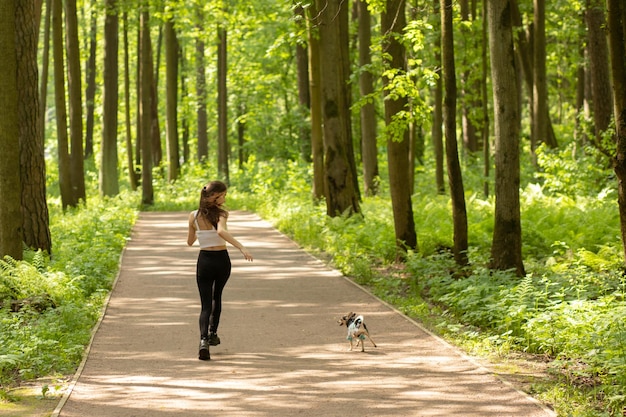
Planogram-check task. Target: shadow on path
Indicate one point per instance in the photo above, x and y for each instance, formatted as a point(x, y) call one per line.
point(282, 353)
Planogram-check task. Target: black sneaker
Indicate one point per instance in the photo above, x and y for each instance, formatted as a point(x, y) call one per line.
point(203, 353)
point(214, 339)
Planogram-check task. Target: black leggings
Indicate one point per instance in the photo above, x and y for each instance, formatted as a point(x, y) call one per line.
point(212, 273)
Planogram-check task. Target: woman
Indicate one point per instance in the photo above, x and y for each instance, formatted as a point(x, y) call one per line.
point(208, 226)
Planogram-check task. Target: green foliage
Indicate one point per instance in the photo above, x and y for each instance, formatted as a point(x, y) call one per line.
point(50, 305)
point(569, 308)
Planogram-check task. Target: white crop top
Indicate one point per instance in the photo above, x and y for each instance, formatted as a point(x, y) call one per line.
point(207, 237)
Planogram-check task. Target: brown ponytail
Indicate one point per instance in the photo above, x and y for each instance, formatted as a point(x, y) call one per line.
point(208, 209)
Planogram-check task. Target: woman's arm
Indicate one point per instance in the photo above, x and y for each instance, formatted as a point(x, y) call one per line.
point(191, 232)
point(222, 231)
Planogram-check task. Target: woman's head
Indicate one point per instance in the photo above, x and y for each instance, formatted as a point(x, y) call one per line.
point(211, 199)
point(212, 191)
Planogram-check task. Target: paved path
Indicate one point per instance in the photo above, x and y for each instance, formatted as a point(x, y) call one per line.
point(282, 351)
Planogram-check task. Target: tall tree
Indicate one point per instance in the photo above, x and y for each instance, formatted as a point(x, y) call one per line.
point(617, 45)
point(35, 217)
point(132, 175)
point(77, 166)
point(10, 185)
point(436, 129)
point(145, 114)
point(222, 103)
point(304, 95)
point(109, 184)
point(68, 197)
point(455, 178)
point(540, 86)
point(341, 193)
point(506, 248)
point(601, 97)
point(317, 138)
point(369, 147)
point(45, 61)
point(90, 89)
point(171, 87)
point(470, 87)
point(524, 51)
point(201, 92)
point(393, 22)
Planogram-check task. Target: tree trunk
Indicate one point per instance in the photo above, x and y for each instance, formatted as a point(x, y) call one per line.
point(341, 193)
point(75, 101)
point(506, 249)
point(109, 185)
point(68, 197)
point(45, 64)
point(90, 91)
point(369, 148)
point(35, 217)
point(393, 22)
point(132, 175)
point(617, 45)
point(317, 139)
point(601, 97)
point(201, 113)
point(540, 87)
point(455, 178)
point(304, 96)
point(470, 86)
point(437, 131)
point(525, 56)
point(485, 104)
point(171, 86)
point(147, 192)
point(222, 105)
point(10, 187)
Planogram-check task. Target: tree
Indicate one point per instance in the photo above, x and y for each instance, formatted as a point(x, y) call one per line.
point(201, 113)
point(506, 248)
point(369, 147)
point(132, 175)
point(35, 217)
point(171, 86)
point(90, 90)
point(68, 196)
point(393, 22)
point(222, 103)
point(437, 114)
point(146, 98)
point(455, 178)
point(304, 95)
point(341, 192)
point(10, 184)
point(601, 97)
point(470, 87)
point(77, 166)
point(317, 136)
point(109, 185)
point(540, 87)
point(617, 46)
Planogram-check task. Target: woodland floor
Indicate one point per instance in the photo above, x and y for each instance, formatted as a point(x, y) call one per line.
point(282, 352)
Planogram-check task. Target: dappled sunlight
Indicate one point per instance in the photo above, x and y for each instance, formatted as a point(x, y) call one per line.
point(283, 352)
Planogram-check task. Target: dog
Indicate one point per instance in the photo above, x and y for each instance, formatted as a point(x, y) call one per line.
point(356, 330)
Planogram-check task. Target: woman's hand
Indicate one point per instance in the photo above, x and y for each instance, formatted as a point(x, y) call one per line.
point(246, 254)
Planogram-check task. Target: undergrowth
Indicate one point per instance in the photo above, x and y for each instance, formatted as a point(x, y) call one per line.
point(51, 303)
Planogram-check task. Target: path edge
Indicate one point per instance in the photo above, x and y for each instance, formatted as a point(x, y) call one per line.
point(94, 330)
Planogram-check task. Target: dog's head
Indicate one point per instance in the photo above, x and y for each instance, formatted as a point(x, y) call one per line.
point(347, 319)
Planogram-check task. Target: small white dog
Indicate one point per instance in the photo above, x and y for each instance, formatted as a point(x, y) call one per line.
point(356, 330)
